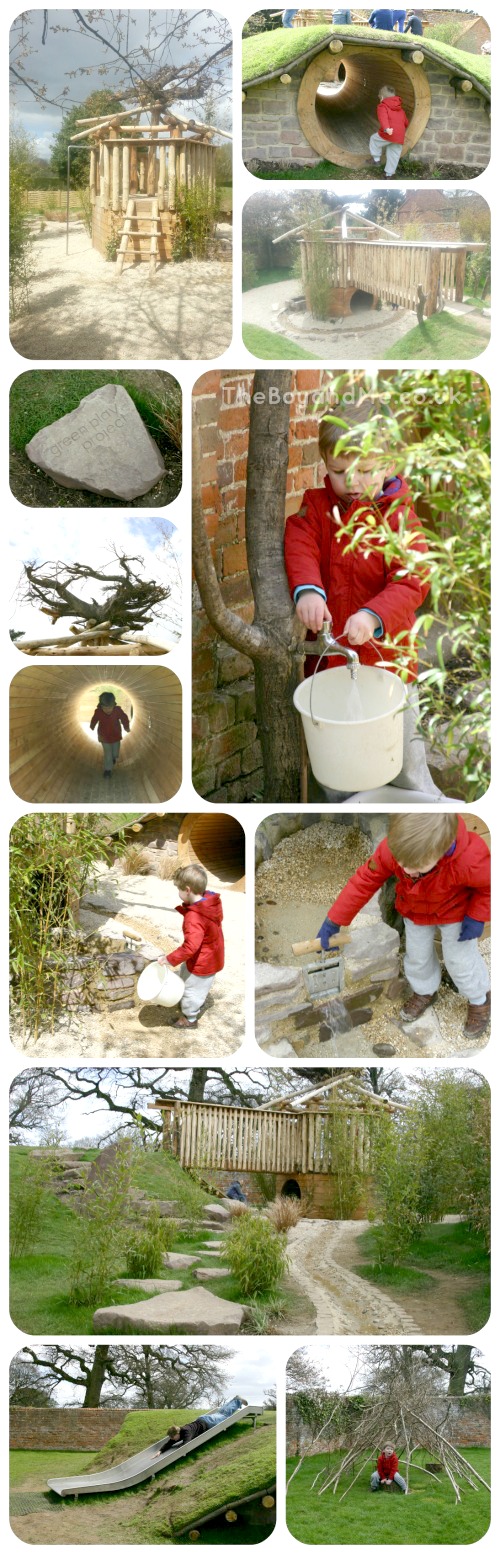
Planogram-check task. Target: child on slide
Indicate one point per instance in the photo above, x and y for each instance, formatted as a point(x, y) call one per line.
point(201, 954)
point(361, 596)
point(442, 874)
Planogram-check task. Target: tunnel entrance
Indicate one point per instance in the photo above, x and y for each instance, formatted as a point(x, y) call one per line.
point(361, 301)
point(218, 843)
point(291, 1189)
point(337, 102)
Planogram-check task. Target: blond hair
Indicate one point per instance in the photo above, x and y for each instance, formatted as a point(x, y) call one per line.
point(417, 841)
point(387, 91)
point(193, 878)
point(330, 432)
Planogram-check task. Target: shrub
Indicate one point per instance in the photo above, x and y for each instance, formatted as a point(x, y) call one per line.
point(27, 1203)
point(236, 1208)
point(284, 1213)
point(266, 1183)
point(21, 264)
point(136, 860)
point(198, 209)
point(102, 1231)
point(256, 1255)
point(249, 270)
point(144, 1252)
point(319, 281)
point(167, 865)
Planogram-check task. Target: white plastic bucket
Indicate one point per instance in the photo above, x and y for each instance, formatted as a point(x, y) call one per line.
point(348, 755)
point(160, 985)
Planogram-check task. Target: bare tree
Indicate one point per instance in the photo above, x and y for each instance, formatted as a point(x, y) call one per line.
point(273, 639)
point(35, 1094)
point(173, 1375)
point(127, 599)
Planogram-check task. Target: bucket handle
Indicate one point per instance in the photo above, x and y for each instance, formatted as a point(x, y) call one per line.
point(381, 665)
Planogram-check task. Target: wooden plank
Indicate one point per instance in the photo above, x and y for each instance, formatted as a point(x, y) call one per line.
point(162, 172)
point(115, 178)
point(125, 176)
point(171, 175)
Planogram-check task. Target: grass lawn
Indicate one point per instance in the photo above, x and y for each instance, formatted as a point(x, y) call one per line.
point(41, 397)
point(269, 278)
point(438, 1248)
point(428, 1514)
point(30, 1470)
point(409, 171)
point(444, 336)
point(269, 347)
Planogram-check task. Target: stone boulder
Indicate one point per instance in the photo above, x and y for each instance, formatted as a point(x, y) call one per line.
point(373, 951)
point(149, 1286)
point(179, 1260)
point(217, 1212)
point(102, 446)
point(186, 1311)
point(211, 1273)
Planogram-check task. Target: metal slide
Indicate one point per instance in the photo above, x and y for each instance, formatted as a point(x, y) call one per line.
point(145, 1464)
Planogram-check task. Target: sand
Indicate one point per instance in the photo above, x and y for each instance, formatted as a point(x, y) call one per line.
point(80, 310)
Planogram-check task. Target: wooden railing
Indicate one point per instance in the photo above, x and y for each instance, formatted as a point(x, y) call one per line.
point(236, 1138)
point(396, 272)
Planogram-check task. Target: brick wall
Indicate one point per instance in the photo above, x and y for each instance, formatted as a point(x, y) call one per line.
point(64, 1429)
point(458, 129)
point(464, 1421)
point(227, 759)
point(315, 1190)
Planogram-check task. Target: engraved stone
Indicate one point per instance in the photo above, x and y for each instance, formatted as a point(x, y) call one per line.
point(110, 452)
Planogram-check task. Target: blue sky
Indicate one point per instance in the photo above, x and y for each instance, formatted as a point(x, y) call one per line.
point(66, 59)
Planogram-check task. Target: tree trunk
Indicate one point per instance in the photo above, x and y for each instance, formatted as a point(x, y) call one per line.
point(148, 1380)
point(97, 1377)
point(276, 674)
point(460, 1360)
point(197, 1084)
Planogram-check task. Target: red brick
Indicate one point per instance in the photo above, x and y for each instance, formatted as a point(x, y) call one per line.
point(208, 439)
point(209, 467)
point(209, 383)
point(307, 428)
point(210, 496)
point(240, 470)
point(235, 444)
point(235, 558)
point(233, 417)
point(236, 590)
point(306, 379)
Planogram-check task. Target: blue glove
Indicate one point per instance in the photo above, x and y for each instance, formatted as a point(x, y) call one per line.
point(326, 932)
point(471, 929)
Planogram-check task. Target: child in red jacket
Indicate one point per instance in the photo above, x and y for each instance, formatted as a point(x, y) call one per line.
point(364, 597)
point(201, 954)
point(109, 719)
point(442, 875)
point(386, 1471)
point(390, 136)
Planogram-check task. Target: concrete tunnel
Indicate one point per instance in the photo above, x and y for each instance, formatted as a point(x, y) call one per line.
point(338, 99)
point(55, 759)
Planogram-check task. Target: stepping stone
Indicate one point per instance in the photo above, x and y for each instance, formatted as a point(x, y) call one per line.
point(217, 1212)
point(180, 1259)
point(214, 1246)
point(209, 1252)
point(189, 1311)
point(211, 1273)
point(149, 1286)
point(101, 446)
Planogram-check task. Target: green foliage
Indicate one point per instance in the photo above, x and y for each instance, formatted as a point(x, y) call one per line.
point(269, 347)
point(415, 421)
point(345, 1176)
point(319, 282)
point(28, 1197)
point(197, 209)
point(256, 1255)
point(21, 263)
point(145, 1248)
point(101, 102)
point(111, 249)
point(50, 864)
point(103, 1233)
point(265, 1182)
point(250, 271)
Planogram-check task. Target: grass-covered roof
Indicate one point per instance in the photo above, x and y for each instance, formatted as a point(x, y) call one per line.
point(267, 54)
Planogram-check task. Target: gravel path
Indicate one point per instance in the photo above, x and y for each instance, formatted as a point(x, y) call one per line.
point(80, 310)
point(268, 306)
point(344, 1302)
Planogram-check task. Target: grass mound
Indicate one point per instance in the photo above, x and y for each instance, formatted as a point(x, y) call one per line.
point(270, 52)
point(269, 347)
point(444, 336)
point(427, 1515)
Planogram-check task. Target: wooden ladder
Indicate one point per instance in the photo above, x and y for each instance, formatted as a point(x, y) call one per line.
point(133, 216)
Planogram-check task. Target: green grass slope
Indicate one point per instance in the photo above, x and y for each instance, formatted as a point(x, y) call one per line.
point(427, 1515)
point(445, 336)
point(270, 347)
point(268, 53)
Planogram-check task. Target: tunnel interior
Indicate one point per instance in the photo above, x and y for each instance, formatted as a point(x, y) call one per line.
point(55, 758)
point(361, 301)
point(291, 1189)
point(337, 103)
point(218, 843)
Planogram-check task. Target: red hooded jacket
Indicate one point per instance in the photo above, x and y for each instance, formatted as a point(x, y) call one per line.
point(318, 555)
point(391, 115)
point(108, 724)
point(387, 1466)
point(458, 886)
point(203, 945)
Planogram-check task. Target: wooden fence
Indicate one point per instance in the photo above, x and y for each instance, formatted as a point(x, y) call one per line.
point(235, 1138)
point(395, 272)
point(147, 166)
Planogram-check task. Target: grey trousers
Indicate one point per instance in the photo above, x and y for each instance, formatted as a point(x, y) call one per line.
point(463, 961)
point(377, 147)
point(196, 992)
point(110, 755)
point(398, 1479)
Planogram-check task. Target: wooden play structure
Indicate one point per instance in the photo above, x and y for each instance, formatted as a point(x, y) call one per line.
point(321, 94)
point(297, 1139)
point(138, 175)
point(367, 264)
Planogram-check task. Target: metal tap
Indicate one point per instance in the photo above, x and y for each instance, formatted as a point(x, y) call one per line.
point(326, 645)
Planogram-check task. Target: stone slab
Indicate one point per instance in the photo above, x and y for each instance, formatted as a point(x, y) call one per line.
point(149, 1286)
point(180, 1259)
point(373, 951)
point(277, 983)
point(102, 446)
point(212, 1273)
point(189, 1311)
point(216, 1211)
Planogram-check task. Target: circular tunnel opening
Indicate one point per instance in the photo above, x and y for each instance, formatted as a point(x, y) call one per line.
point(56, 758)
point(361, 301)
point(218, 843)
point(291, 1189)
point(337, 103)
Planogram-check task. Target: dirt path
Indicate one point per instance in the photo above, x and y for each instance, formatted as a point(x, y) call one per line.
point(269, 307)
point(344, 1302)
point(80, 310)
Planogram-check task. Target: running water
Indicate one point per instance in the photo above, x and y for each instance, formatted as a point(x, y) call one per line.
point(353, 706)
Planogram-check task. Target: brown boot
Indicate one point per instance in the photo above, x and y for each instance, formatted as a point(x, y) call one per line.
point(478, 1017)
point(416, 1005)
